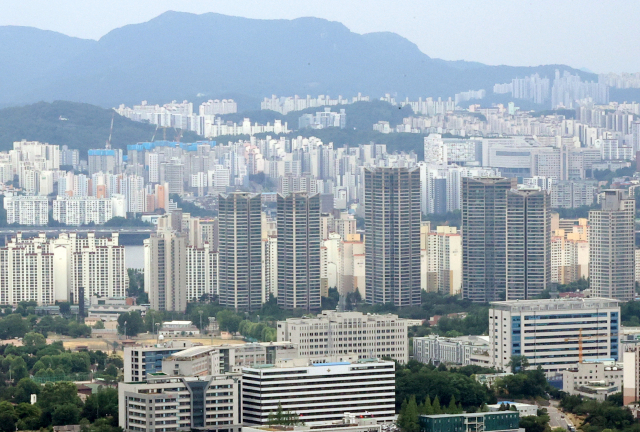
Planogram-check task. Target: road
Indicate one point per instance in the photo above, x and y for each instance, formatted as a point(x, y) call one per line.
point(556, 417)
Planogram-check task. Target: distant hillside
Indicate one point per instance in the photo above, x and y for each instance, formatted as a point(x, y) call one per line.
point(186, 56)
point(86, 126)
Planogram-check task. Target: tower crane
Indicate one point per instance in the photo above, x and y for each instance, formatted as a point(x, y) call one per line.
point(108, 145)
point(580, 338)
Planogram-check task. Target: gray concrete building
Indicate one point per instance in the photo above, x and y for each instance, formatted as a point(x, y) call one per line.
point(528, 243)
point(484, 237)
point(240, 246)
point(392, 241)
point(299, 241)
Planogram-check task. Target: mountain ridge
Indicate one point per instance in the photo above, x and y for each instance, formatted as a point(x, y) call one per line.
point(179, 55)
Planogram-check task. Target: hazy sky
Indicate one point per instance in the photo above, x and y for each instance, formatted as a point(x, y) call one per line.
point(599, 35)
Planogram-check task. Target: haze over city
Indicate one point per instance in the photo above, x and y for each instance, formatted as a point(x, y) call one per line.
point(336, 216)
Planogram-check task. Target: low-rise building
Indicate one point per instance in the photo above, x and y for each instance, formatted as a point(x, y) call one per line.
point(490, 379)
point(349, 423)
point(464, 350)
point(523, 409)
point(593, 379)
point(143, 361)
point(109, 309)
point(319, 392)
point(503, 421)
point(178, 328)
point(167, 404)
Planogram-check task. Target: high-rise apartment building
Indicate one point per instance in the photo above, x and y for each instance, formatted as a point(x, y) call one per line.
point(611, 247)
point(392, 242)
point(165, 270)
point(441, 259)
point(202, 272)
point(554, 334)
point(299, 251)
point(27, 210)
point(240, 246)
point(484, 237)
point(570, 253)
point(528, 243)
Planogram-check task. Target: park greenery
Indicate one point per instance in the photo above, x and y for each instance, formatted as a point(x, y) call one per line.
point(605, 416)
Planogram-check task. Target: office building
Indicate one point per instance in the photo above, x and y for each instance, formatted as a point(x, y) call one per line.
point(528, 243)
point(484, 237)
point(299, 251)
point(504, 421)
point(579, 329)
point(240, 246)
point(164, 404)
point(612, 246)
point(319, 392)
point(334, 334)
point(593, 379)
point(392, 241)
point(27, 210)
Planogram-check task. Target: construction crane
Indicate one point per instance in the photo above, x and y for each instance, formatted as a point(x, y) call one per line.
point(580, 338)
point(108, 145)
point(178, 135)
point(154, 133)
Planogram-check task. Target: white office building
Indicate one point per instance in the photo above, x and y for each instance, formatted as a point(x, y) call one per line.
point(169, 404)
point(319, 392)
point(555, 334)
point(334, 333)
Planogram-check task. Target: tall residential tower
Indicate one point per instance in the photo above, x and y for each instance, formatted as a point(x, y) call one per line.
point(392, 242)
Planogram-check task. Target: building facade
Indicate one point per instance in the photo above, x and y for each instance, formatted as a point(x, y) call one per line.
point(299, 251)
point(240, 246)
point(319, 392)
point(334, 333)
point(555, 334)
point(612, 246)
point(392, 226)
point(170, 404)
point(484, 237)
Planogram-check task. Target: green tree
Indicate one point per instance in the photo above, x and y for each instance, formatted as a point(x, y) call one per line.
point(436, 406)
point(65, 414)
point(228, 320)
point(18, 369)
point(518, 363)
point(131, 322)
point(25, 388)
point(104, 403)
point(534, 423)
point(29, 416)
point(411, 416)
point(13, 326)
point(8, 417)
point(33, 339)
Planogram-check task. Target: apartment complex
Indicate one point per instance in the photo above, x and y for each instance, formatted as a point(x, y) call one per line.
point(299, 251)
point(555, 334)
point(27, 210)
point(240, 245)
point(319, 392)
point(392, 226)
point(169, 404)
point(570, 253)
point(49, 270)
point(612, 246)
point(338, 334)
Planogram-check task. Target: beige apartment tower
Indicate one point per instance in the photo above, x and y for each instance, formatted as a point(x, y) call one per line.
point(611, 247)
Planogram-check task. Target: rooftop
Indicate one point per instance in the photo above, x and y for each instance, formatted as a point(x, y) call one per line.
point(555, 304)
